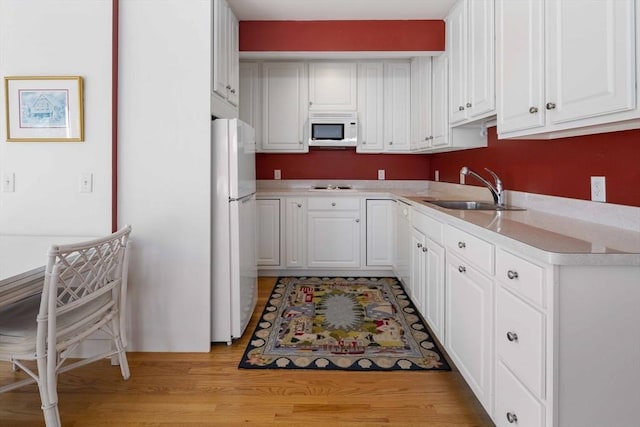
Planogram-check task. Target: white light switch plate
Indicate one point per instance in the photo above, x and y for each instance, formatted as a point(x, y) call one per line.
point(86, 182)
point(381, 174)
point(8, 182)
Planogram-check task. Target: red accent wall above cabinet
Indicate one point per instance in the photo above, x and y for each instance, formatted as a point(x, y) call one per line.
point(338, 36)
point(342, 164)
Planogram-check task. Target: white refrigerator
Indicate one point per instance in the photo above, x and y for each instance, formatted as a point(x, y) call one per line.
point(234, 274)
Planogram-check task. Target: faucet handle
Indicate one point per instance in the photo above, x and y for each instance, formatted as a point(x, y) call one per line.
point(495, 177)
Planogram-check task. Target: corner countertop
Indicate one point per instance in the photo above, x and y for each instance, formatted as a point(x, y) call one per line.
point(539, 231)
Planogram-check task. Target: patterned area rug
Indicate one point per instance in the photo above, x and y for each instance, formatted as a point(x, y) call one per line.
point(364, 324)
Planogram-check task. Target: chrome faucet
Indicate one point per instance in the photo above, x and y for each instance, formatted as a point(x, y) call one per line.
point(497, 192)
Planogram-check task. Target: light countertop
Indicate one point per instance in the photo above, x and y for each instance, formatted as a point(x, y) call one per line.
point(539, 231)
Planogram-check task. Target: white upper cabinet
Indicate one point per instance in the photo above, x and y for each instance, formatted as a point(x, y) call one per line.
point(332, 86)
point(225, 83)
point(566, 66)
point(285, 101)
point(370, 107)
point(439, 101)
point(397, 107)
point(471, 50)
point(421, 113)
point(250, 108)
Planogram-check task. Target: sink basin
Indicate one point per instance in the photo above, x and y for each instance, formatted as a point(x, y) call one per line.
point(471, 205)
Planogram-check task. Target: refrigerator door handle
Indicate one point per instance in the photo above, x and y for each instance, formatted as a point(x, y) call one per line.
point(243, 199)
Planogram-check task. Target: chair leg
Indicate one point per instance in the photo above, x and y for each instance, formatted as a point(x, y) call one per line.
point(48, 397)
point(122, 355)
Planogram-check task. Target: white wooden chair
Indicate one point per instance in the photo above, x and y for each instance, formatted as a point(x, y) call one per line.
point(84, 291)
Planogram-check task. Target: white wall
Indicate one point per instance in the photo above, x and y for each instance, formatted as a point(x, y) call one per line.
point(58, 37)
point(164, 170)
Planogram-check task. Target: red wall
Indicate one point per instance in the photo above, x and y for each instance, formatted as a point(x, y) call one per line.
point(558, 167)
point(342, 164)
point(418, 35)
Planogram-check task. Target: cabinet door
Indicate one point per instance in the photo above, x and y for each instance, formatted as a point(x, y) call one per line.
point(434, 288)
point(397, 105)
point(439, 105)
point(468, 335)
point(295, 232)
point(421, 135)
point(250, 97)
point(481, 88)
point(284, 112)
point(416, 286)
point(380, 244)
point(221, 47)
point(457, 47)
point(332, 86)
point(370, 110)
point(233, 94)
point(268, 231)
point(590, 58)
point(403, 243)
point(520, 65)
point(333, 239)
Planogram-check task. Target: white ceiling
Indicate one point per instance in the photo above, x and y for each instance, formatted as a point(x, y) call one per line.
point(321, 10)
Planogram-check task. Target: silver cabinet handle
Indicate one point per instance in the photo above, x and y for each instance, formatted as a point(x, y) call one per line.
point(357, 219)
point(512, 336)
point(551, 105)
point(461, 108)
point(512, 274)
point(233, 91)
point(333, 203)
point(424, 249)
point(228, 87)
point(364, 142)
point(310, 103)
point(390, 142)
point(512, 418)
point(462, 269)
point(468, 105)
point(299, 205)
point(431, 137)
point(462, 245)
point(419, 245)
point(533, 110)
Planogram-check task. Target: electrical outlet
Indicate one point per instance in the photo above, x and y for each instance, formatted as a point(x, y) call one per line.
point(8, 182)
point(380, 174)
point(598, 189)
point(437, 175)
point(277, 174)
point(86, 182)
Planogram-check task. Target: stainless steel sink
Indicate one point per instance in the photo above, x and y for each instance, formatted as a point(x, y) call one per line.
point(471, 205)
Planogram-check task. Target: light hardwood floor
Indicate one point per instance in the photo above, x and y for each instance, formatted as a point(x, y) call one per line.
point(174, 389)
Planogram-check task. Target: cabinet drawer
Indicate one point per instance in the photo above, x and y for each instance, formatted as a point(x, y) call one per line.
point(471, 248)
point(333, 203)
point(520, 340)
point(428, 226)
point(515, 406)
point(521, 277)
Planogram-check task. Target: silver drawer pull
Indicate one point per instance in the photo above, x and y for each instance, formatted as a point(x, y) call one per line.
point(460, 108)
point(419, 245)
point(462, 269)
point(299, 205)
point(512, 336)
point(512, 418)
point(424, 249)
point(550, 105)
point(512, 274)
point(533, 110)
point(333, 203)
point(462, 245)
point(357, 219)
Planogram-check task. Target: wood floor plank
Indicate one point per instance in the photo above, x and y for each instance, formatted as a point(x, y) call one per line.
point(203, 389)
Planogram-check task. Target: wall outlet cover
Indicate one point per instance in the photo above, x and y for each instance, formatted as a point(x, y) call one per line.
point(381, 174)
point(598, 189)
point(277, 174)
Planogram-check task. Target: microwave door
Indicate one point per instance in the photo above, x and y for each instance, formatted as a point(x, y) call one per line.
point(327, 131)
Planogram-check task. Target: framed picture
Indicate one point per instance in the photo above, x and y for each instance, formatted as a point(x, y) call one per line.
point(45, 108)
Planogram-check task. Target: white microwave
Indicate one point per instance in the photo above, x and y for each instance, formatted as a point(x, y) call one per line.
point(333, 129)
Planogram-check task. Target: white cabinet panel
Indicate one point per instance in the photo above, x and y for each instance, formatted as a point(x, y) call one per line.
point(468, 335)
point(334, 238)
point(403, 243)
point(225, 55)
point(435, 289)
point(416, 286)
point(284, 114)
point(268, 218)
point(250, 103)
point(370, 107)
point(332, 86)
point(514, 404)
point(397, 106)
point(295, 232)
point(421, 113)
point(380, 221)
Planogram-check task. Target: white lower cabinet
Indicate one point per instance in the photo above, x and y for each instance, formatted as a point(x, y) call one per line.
point(380, 238)
point(416, 286)
point(333, 232)
point(268, 216)
point(295, 232)
point(434, 289)
point(401, 266)
point(515, 405)
point(469, 331)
